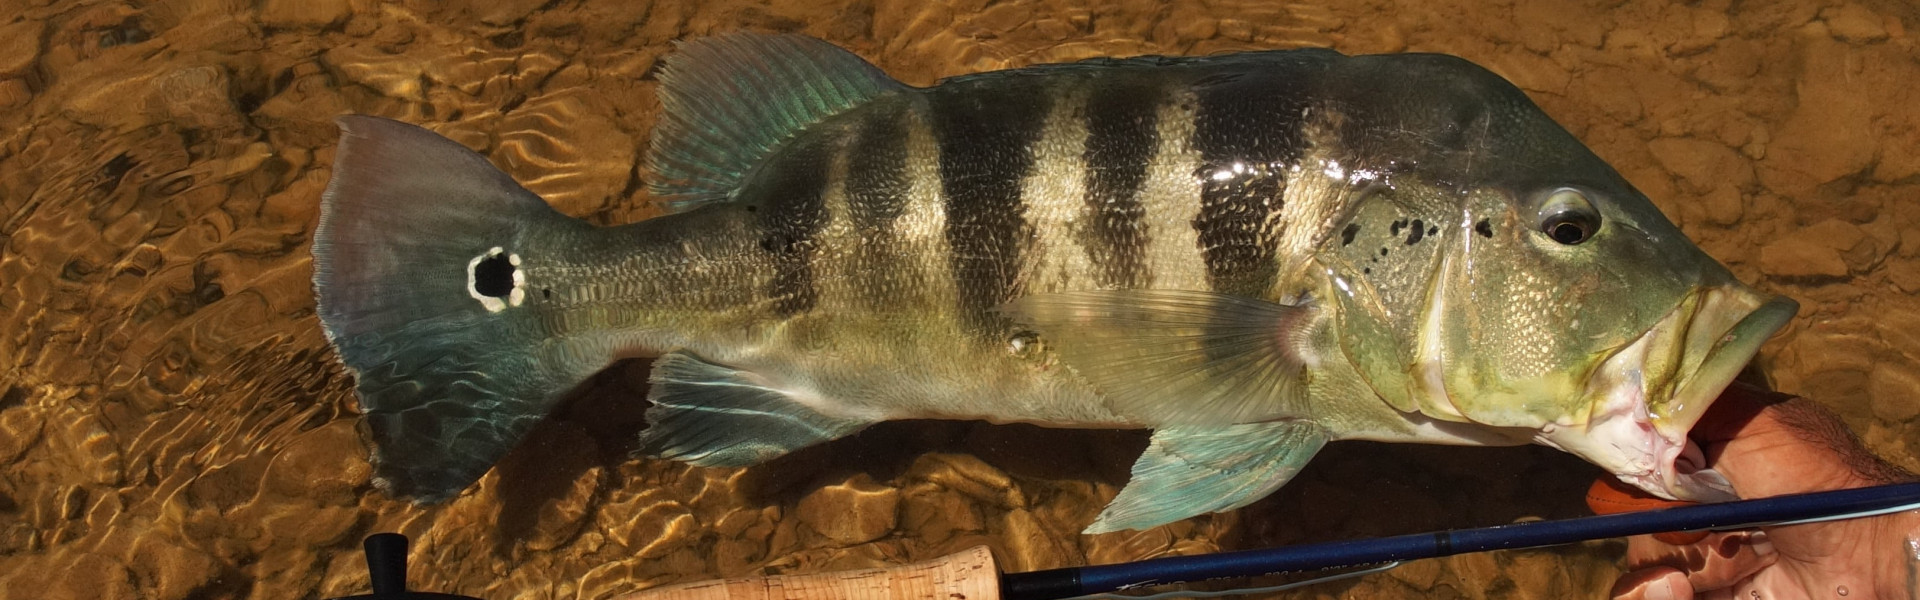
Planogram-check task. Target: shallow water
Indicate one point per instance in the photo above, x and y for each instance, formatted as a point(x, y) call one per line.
point(172, 424)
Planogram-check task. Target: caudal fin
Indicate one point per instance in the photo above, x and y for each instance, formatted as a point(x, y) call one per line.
point(416, 267)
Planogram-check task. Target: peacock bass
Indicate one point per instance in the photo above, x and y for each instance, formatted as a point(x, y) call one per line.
point(1250, 254)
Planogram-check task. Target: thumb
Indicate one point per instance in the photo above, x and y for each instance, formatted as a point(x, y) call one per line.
point(1656, 583)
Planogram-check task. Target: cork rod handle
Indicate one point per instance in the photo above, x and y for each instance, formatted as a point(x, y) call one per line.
point(966, 575)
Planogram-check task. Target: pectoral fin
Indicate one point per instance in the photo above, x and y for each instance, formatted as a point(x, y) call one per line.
point(1177, 357)
point(1194, 471)
point(713, 415)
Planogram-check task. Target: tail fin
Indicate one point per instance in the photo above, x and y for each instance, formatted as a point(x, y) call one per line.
point(415, 266)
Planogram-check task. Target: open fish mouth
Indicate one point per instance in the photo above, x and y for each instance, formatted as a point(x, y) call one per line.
point(1648, 395)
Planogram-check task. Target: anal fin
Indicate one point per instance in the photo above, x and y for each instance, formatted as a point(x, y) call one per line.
point(713, 415)
point(1193, 471)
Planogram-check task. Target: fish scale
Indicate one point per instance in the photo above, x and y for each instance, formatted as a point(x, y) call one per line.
point(1252, 255)
point(1168, 199)
point(1053, 194)
point(1015, 214)
point(995, 207)
point(1123, 128)
point(986, 135)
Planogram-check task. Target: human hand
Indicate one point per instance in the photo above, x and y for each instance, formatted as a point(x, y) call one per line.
point(1769, 444)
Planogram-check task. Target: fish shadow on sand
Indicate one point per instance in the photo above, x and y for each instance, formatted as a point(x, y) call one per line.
point(595, 426)
point(1353, 490)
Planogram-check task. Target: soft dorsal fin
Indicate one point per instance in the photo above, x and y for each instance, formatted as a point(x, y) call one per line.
point(731, 100)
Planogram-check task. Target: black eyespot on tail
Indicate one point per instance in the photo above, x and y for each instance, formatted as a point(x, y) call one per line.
point(1419, 231)
point(1484, 228)
point(1346, 235)
point(493, 275)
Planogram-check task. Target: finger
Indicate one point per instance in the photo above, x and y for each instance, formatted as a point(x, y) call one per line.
point(1719, 561)
point(1726, 559)
point(1658, 583)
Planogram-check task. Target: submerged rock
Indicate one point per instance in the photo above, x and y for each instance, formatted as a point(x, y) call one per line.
point(853, 512)
point(303, 13)
point(1891, 385)
point(1801, 258)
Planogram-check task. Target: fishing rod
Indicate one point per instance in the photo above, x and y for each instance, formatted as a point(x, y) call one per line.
point(966, 576)
point(972, 575)
point(1779, 510)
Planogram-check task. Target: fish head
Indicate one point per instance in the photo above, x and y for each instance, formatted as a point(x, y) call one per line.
point(1501, 274)
point(1590, 320)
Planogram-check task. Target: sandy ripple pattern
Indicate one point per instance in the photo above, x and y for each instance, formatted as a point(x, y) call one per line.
point(173, 425)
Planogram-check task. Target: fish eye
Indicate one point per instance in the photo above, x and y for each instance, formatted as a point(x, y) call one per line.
point(1568, 217)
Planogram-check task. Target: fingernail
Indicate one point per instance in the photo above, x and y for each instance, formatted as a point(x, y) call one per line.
point(1762, 545)
point(1660, 589)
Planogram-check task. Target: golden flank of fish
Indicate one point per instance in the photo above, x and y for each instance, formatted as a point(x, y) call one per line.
point(1251, 255)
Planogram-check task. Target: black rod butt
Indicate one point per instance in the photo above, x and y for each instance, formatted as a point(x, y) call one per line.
point(1050, 584)
point(387, 563)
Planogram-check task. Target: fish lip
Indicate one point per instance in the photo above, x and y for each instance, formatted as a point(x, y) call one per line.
point(1639, 433)
point(1730, 351)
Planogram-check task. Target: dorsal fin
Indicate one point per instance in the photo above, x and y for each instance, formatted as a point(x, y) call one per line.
point(729, 101)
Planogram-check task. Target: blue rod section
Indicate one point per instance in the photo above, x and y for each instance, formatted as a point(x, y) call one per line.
point(1065, 583)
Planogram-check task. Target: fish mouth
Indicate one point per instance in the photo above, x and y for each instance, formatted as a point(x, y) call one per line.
point(1649, 394)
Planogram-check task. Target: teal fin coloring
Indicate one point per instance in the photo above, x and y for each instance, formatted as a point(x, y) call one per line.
point(447, 384)
point(1194, 471)
point(729, 101)
point(1167, 357)
point(716, 416)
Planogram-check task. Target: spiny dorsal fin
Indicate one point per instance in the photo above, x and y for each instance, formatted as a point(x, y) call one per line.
point(729, 101)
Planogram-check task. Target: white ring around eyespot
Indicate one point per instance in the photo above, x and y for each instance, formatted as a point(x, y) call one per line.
point(492, 304)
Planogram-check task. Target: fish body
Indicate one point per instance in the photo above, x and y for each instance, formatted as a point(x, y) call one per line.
point(1250, 254)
